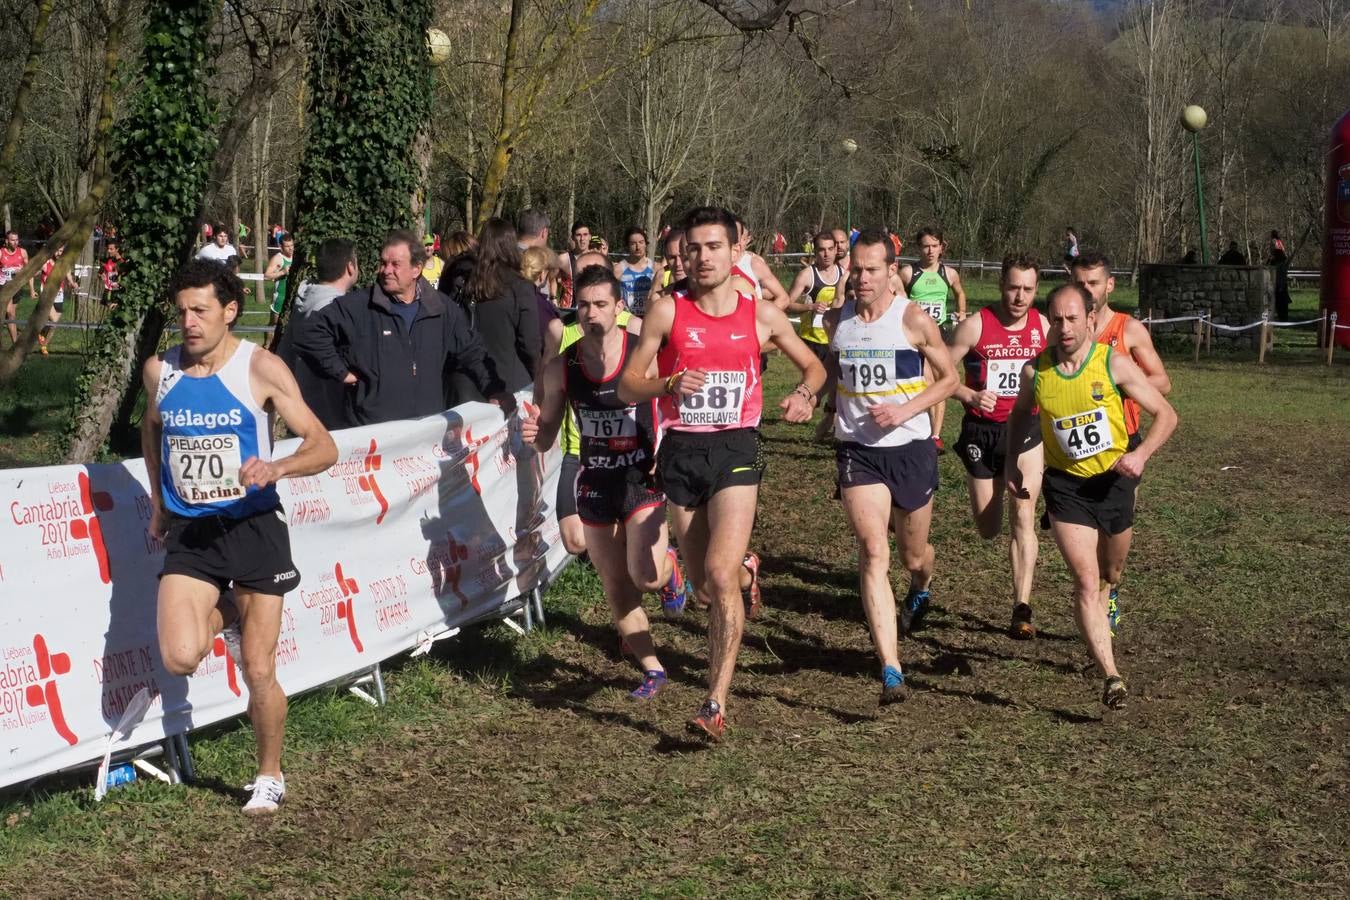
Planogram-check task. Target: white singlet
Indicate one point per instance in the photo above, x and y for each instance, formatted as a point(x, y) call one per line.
point(877, 364)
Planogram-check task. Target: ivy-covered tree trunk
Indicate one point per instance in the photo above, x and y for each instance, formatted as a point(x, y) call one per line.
point(160, 165)
point(369, 100)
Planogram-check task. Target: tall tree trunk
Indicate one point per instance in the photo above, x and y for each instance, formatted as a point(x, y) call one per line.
point(18, 112)
point(504, 141)
point(78, 227)
point(164, 150)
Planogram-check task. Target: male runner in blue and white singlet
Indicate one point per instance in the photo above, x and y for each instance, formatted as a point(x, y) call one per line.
point(207, 439)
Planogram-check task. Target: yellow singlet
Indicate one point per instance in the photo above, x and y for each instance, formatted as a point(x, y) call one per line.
point(571, 438)
point(1082, 415)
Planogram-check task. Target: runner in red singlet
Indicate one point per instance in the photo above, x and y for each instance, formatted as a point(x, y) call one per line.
point(706, 344)
point(995, 345)
point(12, 259)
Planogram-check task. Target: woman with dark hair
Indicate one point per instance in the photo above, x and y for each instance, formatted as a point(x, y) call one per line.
point(459, 249)
point(501, 305)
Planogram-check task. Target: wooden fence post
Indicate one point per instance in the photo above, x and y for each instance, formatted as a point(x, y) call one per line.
point(1195, 338)
point(1265, 330)
point(1209, 331)
point(1331, 337)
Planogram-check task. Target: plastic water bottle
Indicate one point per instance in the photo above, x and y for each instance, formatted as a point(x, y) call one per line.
point(123, 774)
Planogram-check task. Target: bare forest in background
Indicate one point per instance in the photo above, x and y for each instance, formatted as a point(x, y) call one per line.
point(1002, 121)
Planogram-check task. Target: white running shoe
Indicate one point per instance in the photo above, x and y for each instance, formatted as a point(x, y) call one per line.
point(268, 792)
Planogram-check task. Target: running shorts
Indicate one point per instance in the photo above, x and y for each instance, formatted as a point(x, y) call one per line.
point(252, 553)
point(1104, 502)
point(692, 466)
point(608, 498)
point(566, 502)
point(982, 445)
point(910, 470)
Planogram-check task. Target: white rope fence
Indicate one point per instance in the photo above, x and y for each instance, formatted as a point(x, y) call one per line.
point(1205, 326)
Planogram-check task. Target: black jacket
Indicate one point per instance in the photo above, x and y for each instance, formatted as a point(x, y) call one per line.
point(509, 325)
point(401, 373)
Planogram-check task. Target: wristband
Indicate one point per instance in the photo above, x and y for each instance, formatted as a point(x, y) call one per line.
point(673, 380)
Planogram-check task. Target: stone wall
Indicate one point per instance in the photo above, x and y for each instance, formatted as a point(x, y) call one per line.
point(1232, 295)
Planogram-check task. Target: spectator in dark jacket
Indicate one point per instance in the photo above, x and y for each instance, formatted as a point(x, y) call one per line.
point(336, 271)
point(503, 309)
point(396, 344)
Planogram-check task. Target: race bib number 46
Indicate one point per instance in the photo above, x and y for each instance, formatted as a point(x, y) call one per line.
point(1004, 376)
point(718, 402)
point(1084, 434)
point(205, 468)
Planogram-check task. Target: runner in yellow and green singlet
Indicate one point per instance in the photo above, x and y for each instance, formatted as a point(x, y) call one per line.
point(1077, 388)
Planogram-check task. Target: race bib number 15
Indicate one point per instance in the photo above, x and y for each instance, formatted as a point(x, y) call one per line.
point(1084, 434)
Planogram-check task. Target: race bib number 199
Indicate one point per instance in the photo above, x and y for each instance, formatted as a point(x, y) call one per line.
point(205, 468)
point(718, 402)
point(1085, 434)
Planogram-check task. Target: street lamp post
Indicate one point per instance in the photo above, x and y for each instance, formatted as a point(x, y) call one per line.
point(850, 147)
point(1193, 119)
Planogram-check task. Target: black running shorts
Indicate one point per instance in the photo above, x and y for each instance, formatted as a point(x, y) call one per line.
point(910, 471)
point(1104, 502)
point(253, 553)
point(982, 445)
point(822, 351)
point(691, 466)
point(566, 502)
point(606, 498)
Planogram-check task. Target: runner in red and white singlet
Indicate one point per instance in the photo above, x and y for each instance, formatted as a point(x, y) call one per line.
point(727, 349)
point(995, 346)
point(12, 259)
point(706, 345)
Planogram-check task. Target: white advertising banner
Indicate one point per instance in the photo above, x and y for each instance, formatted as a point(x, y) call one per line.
point(419, 526)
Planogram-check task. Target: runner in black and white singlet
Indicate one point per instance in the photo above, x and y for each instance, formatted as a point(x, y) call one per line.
point(887, 466)
point(623, 511)
point(706, 345)
point(207, 440)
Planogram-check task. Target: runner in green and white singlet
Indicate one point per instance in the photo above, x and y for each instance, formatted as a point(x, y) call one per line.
point(933, 284)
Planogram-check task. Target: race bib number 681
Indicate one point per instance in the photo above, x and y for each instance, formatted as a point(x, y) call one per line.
point(718, 402)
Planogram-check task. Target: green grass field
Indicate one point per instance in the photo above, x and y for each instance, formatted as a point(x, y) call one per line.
point(508, 766)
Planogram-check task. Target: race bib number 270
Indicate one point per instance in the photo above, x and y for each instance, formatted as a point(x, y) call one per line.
point(205, 468)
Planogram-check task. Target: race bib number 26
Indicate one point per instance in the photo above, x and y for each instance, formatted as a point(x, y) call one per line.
point(1004, 376)
point(1084, 434)
point(718, 402)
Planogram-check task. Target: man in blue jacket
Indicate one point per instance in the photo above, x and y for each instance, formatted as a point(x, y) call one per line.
point(396, 343)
